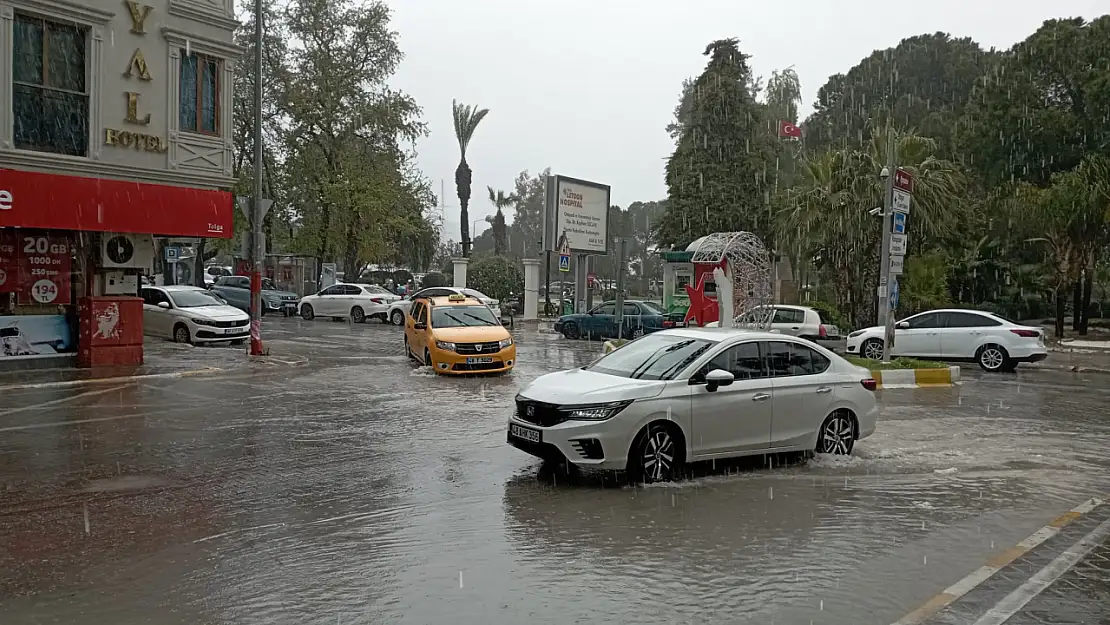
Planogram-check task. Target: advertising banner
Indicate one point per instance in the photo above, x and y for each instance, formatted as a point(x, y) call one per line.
point(34, 335)
point(9, 272)
point(45, 261)
point(577, 213)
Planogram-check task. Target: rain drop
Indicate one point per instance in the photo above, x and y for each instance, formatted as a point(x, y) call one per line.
point(460, 579)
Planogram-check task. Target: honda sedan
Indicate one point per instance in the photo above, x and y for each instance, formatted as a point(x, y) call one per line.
point(695, 394)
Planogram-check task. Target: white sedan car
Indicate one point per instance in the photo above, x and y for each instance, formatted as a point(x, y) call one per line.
point(400, 308)
point(801, 321)
point(996, 343)
point(190, 314)
point(359, 302)
point(695, 394)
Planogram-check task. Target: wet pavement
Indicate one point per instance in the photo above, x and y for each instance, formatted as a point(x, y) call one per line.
point(356, 489)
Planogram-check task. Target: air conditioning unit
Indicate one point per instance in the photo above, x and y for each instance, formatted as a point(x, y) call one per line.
point(126, 251)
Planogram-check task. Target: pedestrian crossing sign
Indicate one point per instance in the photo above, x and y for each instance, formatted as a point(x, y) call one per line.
point(564, 262)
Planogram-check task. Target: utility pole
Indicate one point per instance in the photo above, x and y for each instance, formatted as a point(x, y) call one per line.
point(257, 247)
point(885, 318)
point(620, 285)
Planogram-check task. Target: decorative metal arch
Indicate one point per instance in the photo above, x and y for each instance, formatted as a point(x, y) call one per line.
point(749, 266)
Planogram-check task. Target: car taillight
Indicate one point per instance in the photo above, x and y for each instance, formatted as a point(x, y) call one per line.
point(869, 384)
point(821, 331)
point(668, 324)
point(376, 300)
point(1029, 334)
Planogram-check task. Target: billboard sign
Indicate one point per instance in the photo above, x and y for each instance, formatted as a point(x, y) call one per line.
point(34, 335)
point(579, 211)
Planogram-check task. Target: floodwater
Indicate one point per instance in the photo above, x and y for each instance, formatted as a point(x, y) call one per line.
point(357, 489)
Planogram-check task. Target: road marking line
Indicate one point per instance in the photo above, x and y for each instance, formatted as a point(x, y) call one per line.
point(998, 562)
point(55, 402)
point(116, 380)
point(1042, 579)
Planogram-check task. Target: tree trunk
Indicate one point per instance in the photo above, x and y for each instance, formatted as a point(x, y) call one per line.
point(1077, 293)
point(1059, 295)
point(1085, 300)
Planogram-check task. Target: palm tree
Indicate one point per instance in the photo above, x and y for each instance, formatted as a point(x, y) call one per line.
point(467, 119)
point(500, 200)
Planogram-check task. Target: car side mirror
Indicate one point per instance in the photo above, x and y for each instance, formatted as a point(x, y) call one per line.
point(902, 325)
point(165, 305)
point(718, 378)
point(420, 325)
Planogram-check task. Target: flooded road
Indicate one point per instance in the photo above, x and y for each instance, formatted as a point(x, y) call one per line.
point(356, 489)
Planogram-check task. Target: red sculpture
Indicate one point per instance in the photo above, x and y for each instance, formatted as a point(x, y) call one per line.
point(703, 307)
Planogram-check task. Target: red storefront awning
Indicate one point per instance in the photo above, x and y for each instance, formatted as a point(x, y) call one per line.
point(55, 202)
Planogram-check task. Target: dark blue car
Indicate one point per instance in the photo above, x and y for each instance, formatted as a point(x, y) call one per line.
point(640, 318)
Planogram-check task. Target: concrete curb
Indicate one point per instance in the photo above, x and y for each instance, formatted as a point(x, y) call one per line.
point(997, 563)
point(123, 379)
point(916, 378)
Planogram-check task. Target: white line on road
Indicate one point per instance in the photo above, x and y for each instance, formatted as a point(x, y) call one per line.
point(1042, 579)
point(63, 400)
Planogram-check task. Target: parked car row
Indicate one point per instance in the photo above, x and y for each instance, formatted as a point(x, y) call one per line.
point(639, 317)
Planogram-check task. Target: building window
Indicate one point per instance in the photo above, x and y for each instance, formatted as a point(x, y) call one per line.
point(200, 94)
point(50, 98)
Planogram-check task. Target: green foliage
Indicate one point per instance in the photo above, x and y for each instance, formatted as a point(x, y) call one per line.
point(896, 363)
point(466, 119)
point(829, 314)
point(434, 278)
point(496, 276)
point(925, 283)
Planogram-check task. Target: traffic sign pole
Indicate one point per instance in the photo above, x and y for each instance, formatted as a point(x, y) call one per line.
point(885, 317)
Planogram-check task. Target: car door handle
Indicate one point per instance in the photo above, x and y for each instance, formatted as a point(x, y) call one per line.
point(824, 389)
point(761, 397)
point(795, 328)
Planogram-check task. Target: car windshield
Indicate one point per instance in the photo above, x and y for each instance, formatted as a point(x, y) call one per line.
point(478, 294)
point(194, 299)
point(653, 357)
point(268, 285)
point(462, 317)
point(653, 307)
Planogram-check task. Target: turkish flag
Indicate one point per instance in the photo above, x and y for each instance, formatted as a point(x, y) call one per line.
point(786, 129)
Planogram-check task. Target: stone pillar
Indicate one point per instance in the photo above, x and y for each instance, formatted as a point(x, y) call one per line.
point(460, 272)
point(531, 289)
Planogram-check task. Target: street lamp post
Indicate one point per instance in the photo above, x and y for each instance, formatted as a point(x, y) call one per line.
point(257, 249)
point(885, 318)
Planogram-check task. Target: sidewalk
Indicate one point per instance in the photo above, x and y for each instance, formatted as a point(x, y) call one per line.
point(161, 359)
point(1060, 575)
point(1081, 356)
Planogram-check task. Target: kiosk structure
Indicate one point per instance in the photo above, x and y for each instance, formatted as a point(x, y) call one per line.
point(740, 260)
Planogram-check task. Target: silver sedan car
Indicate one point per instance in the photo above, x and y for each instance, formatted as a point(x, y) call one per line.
point(695, 394)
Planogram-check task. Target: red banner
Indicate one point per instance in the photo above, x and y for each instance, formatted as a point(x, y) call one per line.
point(9, 274)
point(45, 261)
point(50, 201)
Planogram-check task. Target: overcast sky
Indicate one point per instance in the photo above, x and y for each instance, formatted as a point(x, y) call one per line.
point(588, 87)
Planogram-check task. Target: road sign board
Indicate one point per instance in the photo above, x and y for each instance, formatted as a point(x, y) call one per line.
point(172, 253)
point(564, 262)
point(900, 201)
point(896, 265)
point(903, 180)
point(899, 224)
point(894, 295)
point(898, 244)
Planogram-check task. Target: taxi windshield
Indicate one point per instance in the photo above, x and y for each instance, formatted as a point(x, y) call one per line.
point(462, 317)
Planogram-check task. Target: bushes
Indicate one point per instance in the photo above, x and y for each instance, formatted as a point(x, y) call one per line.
point(434, 279)
point(495, 276)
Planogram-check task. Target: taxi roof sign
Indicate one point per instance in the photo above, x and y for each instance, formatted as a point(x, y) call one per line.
point(456, 297)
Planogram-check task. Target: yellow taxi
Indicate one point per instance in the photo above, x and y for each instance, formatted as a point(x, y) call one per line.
point(457, 334)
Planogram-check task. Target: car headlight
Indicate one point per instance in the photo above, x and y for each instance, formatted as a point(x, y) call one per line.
point(855, 334)
point(505, 343)
point(445, 346)
point(201, 322)
point(594, 412)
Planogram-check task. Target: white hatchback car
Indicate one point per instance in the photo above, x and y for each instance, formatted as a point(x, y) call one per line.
point(800, 321)
point(190, 314)
point(401, 307)
point(996, 343)
point(695, 394)
point(359, 302)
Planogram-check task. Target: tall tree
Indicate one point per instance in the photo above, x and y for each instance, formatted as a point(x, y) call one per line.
point(501, 201)
point(717, 175)
point(466, 120)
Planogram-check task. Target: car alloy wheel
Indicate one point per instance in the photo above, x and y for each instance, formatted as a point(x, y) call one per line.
point(397, 317)
point(637, 333)
point(357, 314)
point(992, 358)
point(872, 349)
point(306, 312)
point(181, 334)
point(837, 435)
point(408, 350)
point(428, 359)
point(570, 330)
point(657, 456)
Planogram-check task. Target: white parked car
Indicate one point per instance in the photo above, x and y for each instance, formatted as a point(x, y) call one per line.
point(695, 394)
point(996, 343)
point(189, 314)
point(401, 307)
point(357, 301)
point(800, 321)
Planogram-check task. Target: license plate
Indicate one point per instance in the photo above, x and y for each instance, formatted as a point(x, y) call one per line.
point(232, 330)
point(832, 331)
point(479, 360)
point(290, 305)
point(523, 433)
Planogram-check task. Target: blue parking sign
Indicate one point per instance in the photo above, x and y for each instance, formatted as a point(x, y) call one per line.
point(899, 225)
point(564, 262)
